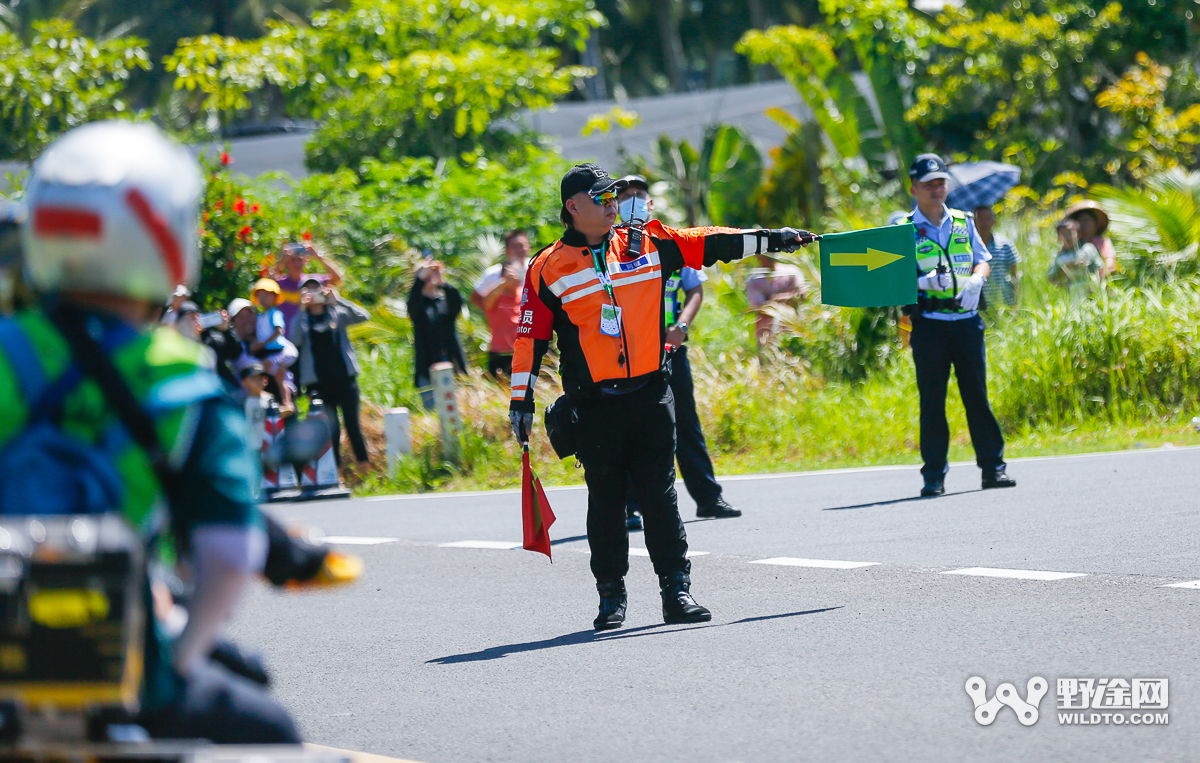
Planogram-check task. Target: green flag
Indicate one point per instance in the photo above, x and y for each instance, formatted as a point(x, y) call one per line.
point(875, 267)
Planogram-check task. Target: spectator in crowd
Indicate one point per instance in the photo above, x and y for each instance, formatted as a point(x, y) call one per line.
point(1000, 290)
point(219, 338)
point(293, 259)
point(433, 306)
point(773, 283)
point(245, 320)
point(1093, 225)
point(171, 314)
point(328, 366)
point(498, 294)
point(1078, 265)
point(255, 399)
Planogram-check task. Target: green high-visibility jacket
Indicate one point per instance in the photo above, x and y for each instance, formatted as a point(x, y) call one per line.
point(202, 431)
point(958, 256)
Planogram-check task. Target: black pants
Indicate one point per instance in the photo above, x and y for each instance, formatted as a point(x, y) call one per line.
point(690, 447)
point(222, 708)
point(936, 346)
point(342, 395)
point(631, 436)
point(499, 363)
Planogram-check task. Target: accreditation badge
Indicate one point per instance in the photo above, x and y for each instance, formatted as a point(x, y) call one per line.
point(610, 320)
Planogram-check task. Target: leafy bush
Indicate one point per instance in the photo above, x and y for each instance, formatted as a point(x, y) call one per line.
point(237, 236)
point(60, 80)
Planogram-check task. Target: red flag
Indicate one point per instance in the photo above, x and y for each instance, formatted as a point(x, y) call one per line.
point(536, 514)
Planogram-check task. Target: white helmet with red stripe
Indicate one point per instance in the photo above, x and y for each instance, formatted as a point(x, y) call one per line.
point(112, 208)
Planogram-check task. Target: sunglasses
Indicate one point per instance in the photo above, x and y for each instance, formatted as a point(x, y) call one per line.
point(607, 197)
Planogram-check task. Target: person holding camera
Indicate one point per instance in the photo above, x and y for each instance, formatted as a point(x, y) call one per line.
point(601, 290)
point(293, 259)
point(498, 294)
point(213, 330)
point(433, 306)
point(952, 267)
point(328, 366)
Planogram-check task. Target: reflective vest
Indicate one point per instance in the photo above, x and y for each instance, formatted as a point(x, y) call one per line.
point(168, 374)
point(672, 304)
point(958, 256)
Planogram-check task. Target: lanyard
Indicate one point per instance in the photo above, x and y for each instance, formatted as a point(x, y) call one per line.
point(602, 270)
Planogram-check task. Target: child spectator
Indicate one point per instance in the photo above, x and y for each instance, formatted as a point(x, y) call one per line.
point(1077, 265)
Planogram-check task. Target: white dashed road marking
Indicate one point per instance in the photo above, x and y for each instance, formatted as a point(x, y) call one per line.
point(355, 540)
point(501, 545)
point(992, 572)
point(1191, 584)
point(789, 561)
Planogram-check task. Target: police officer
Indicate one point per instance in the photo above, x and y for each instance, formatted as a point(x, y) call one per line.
point(684, 294)
point(110, 232)
point(600, 289)
point(947, 330)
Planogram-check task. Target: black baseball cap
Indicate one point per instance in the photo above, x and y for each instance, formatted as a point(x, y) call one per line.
point(928, 167)
point(587, 177)
point(635, 181)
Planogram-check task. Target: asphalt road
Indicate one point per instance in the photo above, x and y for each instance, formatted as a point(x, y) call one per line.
point(450, 654)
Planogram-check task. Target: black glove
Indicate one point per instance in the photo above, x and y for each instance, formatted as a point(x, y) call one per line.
point(790, 239)
point(522, 425)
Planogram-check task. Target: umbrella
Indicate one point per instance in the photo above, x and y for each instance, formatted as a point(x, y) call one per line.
point(980, 184)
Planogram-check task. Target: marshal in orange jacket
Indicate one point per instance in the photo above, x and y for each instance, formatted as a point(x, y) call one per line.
point(565, 293)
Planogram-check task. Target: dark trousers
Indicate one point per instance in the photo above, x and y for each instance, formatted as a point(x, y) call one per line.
point(936, 346)
point(222, 708)
point(344, 396)
point(623, 437)
point(499, 363)
point(690, 447)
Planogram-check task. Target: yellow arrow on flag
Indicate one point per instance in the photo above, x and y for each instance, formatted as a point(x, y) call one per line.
point(872, 260)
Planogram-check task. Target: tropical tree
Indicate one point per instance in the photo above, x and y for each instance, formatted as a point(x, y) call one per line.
point(1158, 224)
point(58, 80)
point(396, 78)
point(717, 184)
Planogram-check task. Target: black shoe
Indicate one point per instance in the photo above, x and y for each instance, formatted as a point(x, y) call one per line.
point(718, 509)
point(934, 486)
point(677, 601)
point(633, 521)
point(997, 478)
point(612, 605)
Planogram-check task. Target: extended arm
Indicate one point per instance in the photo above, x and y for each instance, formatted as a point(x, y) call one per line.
point(699, 247)
point(335, 275)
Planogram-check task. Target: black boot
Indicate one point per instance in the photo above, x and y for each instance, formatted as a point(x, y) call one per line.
point(678, 604)
point(612, 605)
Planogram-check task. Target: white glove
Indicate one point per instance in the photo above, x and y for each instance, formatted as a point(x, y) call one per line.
point(522, 425)
point(935, 281)
point(969, 296)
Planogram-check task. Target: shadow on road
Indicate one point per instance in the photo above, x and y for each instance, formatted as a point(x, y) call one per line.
point(901, 500)
point(591, 636)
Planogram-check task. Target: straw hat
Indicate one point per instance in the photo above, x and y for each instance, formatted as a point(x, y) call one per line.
point(1092, 206)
